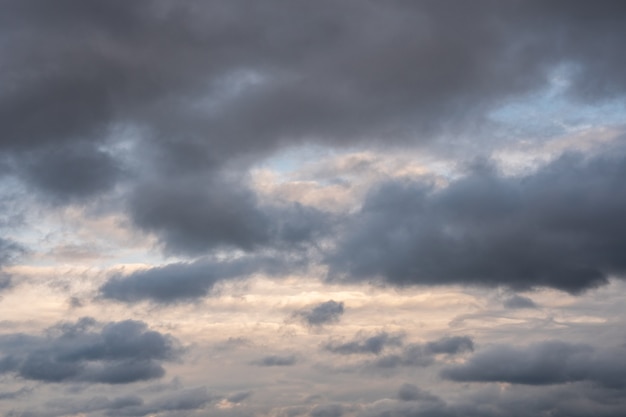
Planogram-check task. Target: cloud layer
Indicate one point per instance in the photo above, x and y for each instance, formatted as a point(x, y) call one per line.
point(340, 208)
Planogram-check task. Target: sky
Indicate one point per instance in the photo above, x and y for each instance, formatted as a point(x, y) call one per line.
point(338, 208)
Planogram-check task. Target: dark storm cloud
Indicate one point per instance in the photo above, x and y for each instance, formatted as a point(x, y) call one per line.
point(518, 301)
point(364, 344)
point(327, 312)
point(114, 353)
point(205, 83)
point(276, 360)
point(188, 281)
point(545, 363)
point(560, 227)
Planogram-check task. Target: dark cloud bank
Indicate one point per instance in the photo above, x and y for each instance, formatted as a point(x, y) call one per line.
point(173, 100)
point(205, 85)
point(559, 227)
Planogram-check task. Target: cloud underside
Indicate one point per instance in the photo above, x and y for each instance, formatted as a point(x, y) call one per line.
point(560, 227)
point(86, 351)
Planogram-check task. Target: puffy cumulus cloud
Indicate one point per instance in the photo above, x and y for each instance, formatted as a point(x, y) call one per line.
point(559, 227)
point(545, 363)
point(111, 353)
point(328, 312)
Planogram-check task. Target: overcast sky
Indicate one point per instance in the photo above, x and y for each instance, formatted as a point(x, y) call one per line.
point(331, 208)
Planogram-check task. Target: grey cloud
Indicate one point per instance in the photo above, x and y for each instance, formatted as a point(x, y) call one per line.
point(424, 354)
point(327, 312)
point(551, 362)
point(67, 173)
point(410, 392)
point(559, 227)
point(187, 281)
point(192, 215)
point(374, 344)
point(163, 284)
point(519, 301)
point(276, 360)
point(115, 353)
point(194, 218)
point(206, 82)
point(451, 345)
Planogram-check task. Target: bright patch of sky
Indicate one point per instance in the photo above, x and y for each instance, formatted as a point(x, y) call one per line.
point(292, 159)
point(552, 111)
